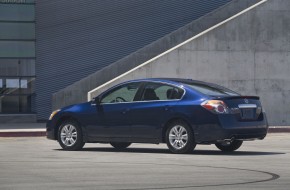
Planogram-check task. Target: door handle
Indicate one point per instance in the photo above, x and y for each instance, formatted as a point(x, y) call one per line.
point(125, 111)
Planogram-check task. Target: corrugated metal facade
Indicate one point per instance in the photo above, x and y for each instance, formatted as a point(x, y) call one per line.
point(77, 38)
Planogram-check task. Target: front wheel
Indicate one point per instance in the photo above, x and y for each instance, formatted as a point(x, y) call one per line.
point(70, 136)
point(179, 138)
point(229, 146)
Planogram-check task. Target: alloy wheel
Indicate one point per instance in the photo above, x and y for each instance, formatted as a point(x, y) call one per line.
point(178, 137)
point(68, 135)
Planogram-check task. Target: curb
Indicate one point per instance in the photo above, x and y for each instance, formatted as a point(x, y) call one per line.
point(279, 130)
point(23, 134)
point(42, 133)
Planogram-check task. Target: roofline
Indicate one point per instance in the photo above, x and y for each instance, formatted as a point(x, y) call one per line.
point(161, 80)
point(175, 81)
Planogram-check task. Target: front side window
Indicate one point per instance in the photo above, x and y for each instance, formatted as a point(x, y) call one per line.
point(158, 91)
point(124, 93)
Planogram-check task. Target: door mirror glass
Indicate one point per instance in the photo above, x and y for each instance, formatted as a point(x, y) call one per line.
point(96, 101)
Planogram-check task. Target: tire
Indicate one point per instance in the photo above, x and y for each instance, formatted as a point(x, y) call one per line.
point(120, 145)
point(70, 136)
point(179, 137)
point(234, 145)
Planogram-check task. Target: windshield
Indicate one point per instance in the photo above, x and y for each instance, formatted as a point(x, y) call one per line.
point(212, 90)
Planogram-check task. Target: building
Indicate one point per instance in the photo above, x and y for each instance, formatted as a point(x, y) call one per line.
point(78, 38)
point(84, 47)
point(17, 60)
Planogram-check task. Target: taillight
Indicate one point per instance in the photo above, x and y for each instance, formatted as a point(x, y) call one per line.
point(215, 106)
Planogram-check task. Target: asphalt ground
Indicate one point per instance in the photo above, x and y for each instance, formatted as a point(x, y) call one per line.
point(38, 163)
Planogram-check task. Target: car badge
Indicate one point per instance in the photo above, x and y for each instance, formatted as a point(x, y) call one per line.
point(246, 101)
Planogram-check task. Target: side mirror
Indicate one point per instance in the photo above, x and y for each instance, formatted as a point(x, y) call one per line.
point(96, 101)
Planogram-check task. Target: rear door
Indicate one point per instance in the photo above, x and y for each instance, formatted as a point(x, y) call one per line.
point(156, 104)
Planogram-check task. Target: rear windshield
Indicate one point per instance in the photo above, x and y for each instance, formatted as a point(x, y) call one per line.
point(212, 90)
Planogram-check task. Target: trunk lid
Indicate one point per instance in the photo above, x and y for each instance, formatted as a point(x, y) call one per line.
point(245, 108)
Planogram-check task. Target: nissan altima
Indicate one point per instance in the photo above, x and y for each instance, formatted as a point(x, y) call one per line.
point(179, 112)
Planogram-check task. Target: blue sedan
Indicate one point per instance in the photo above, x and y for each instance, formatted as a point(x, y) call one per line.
point(178, 112)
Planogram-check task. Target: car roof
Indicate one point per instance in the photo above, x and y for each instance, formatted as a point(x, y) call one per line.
point(176, 81)
point(182, 82)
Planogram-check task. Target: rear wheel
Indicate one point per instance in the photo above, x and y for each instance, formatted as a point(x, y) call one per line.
point(229, 146)
point(70, 136)
point(120, 145)
point(179, 138)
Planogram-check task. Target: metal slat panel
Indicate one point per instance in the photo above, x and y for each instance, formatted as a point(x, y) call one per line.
point(77, 38)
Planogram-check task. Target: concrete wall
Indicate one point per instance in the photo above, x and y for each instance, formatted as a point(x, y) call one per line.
point(77, 92)
point(17, 118)
point(250, 54)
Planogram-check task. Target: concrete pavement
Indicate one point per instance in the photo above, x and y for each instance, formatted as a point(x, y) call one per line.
point(38, 163)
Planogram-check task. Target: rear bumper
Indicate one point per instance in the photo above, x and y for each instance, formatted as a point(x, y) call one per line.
point(214, 133)
point(228, 128)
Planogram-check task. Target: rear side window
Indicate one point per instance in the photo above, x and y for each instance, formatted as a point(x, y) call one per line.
point(159, 91)
point(212, 90)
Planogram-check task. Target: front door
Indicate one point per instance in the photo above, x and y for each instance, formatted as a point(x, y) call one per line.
point(113, 109)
